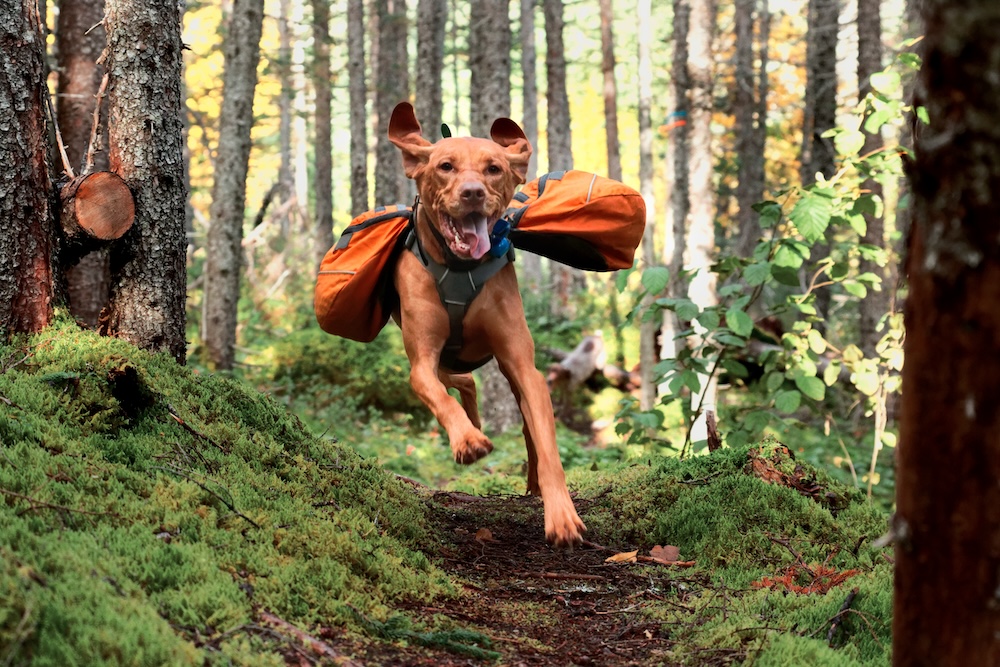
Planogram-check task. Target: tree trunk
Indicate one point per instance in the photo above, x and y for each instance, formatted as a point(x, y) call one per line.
point(357, 92)
point(225, 236)
point(614, 154)
point(647, 328)
point(323, 146)
point(531, 273)
point(750, 110)
point(80, 39)
point(700, 252)
point(876, 303)
point(566, 280)
point(27, 282)
point(820, 113)
point(675, 238)
point(431, 18)
point(286, 181)
point(489, 64)
point(947, 521)
point(392, 87)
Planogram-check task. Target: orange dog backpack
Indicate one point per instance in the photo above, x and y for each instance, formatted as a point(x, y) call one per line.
point(575, 218)
point(583, 220)
point(354, 292)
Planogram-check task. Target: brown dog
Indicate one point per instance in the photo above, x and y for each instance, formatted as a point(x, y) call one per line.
point(464, 186)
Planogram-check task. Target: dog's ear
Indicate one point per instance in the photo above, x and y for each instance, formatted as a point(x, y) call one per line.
point(404, 132)
point(509, 134)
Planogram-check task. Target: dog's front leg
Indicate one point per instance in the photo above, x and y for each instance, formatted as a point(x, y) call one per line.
point(563, 526)
point(468, 443)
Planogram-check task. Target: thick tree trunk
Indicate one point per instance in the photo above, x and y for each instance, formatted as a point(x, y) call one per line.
point(148, 281)
point(648, 356)
point(323, 146)
point(225, 236)
point(876, 303)
point(95, 208)
point(700, 251)
point(750, 110)
point(489, 64)
point(947, 521)
point(286, 181)
point(357, 92)
point(392, 87)
point(431, 18)
point(80, 39)
point(567, 282)
point(820, 112)
point(27, 282)
point(531, 271)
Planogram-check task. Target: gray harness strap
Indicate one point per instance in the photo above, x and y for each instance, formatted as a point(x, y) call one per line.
point(458, 288)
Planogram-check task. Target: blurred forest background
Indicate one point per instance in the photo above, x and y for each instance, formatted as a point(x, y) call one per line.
point(765, 136)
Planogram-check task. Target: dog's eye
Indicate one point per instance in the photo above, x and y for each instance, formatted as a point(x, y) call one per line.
point(445, 166)
point(493, 169)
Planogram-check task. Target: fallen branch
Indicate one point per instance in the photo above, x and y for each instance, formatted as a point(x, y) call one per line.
point(41, 503)
point(839, 616)
point(560, 575)
point(174, 471)
point(660, 561)
point(190, 429)
point(317, 646)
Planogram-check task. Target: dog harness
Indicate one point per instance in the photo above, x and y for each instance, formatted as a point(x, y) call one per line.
point(458, 284)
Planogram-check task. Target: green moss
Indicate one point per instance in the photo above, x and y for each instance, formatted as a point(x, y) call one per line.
point(145, 506)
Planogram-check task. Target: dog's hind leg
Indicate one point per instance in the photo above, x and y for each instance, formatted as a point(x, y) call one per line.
point(466, 387)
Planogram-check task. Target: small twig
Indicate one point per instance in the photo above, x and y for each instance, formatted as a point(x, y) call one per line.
point(40, 503)
point(317, 646)
point(190, 429)
point(9, 403)
point(660, 561)
point(560, 575)
point(839, 616)
point(703, 480)
point(174, 471)
point(95, 129)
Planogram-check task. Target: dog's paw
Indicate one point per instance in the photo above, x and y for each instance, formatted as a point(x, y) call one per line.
point(471, 447)
point(563, 527)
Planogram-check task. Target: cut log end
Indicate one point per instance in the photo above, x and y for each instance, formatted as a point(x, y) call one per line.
point(98, 205)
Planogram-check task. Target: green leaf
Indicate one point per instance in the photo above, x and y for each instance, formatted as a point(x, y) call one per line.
point(923, 115)
point(735, 368)
point(621, 280)
point(831, 373)
point(774, 381)
point(788, 401)
point(858, 224)
point(791, 253)
point(887, 82)
point(849, 142)
point(730, 340)
point(786, 275)
point(811, 386)
point(686, 309)
point(853, 354)
point(866, 381)
point(877, 119)
point(816, 342)
point(811, 215)
point(757, 274)
point(655, 279)
point(739, 322)
point(856, 289)
point(770, 213)
point(709, 319)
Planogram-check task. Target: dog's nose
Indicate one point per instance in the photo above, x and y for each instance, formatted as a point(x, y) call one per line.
point(472, 192)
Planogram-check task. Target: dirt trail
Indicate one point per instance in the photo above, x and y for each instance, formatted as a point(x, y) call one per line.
point(539, 606)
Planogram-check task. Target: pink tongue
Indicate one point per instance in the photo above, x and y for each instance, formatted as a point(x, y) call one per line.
point(474, 234)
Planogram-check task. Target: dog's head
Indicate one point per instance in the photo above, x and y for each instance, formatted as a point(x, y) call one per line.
point(465, 184)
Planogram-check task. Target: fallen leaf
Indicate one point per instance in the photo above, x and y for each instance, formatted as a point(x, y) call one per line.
point(410, 449)
point(623, 557)
point(667, 554)
point(484, 535)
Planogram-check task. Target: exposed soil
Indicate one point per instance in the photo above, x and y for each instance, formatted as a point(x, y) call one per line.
point(538, 605)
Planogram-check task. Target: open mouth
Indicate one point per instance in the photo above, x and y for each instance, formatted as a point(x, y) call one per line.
point(467, 236)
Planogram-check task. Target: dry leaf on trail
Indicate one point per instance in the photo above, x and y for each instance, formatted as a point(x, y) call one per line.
point(667, 554)
point(623, 557)
point(484, 535)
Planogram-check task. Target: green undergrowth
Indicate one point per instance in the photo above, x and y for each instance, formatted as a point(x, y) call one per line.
point(149, 515)
point(777, 545)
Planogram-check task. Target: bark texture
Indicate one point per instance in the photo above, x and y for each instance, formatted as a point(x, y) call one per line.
point(947, 522)
point(323, 146)
point(80, 39)
point(357, 92)
point(431, 18)
point(148, 281)
point(876, 302)
point(285, 186)
point(489, 64)
point(700, 250)
point(648, 355)
point(392, 87)
point(26, 269)
point(531, 264)
point(225, 236)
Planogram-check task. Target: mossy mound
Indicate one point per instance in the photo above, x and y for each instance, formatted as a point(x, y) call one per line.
point(148, 514)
